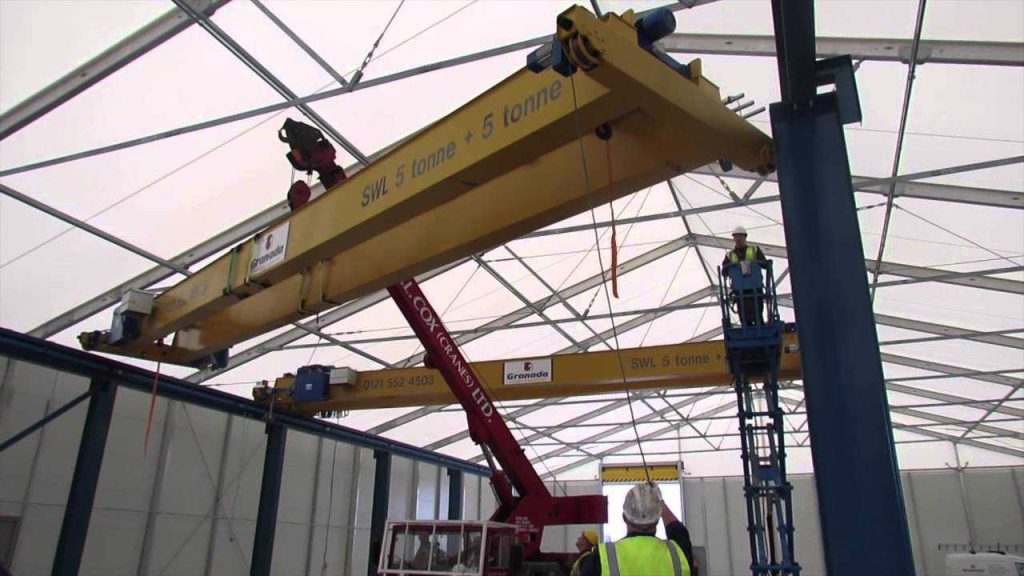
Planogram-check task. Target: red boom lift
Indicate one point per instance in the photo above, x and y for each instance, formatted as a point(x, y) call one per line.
point(509, 543)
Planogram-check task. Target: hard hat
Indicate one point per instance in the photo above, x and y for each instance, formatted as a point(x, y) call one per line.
point(591, 536)
point(643, 505)
point(739, 230)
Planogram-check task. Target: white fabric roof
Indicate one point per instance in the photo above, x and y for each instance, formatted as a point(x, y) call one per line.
point(170, 195)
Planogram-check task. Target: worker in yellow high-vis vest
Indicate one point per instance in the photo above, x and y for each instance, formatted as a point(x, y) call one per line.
point(743, 252)
point(585, 545)
point(641, 552)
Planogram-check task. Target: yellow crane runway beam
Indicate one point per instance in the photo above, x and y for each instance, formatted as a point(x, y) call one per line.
point(688, 365)
point(507, 163)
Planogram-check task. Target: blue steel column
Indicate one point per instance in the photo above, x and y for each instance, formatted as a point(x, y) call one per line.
point(75, 527)
point(454, 494)
point(863, 520)
point(379, 511)
point(270, 495)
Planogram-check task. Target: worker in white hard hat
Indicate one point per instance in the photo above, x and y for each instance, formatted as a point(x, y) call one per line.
point(641, 552)
point(749, 311)
point(742, 251)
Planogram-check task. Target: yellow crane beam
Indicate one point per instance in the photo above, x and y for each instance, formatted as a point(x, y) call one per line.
point(508, 162)
point(689, 365)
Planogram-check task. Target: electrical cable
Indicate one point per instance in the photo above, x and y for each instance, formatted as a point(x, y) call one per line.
point(139, 191)
point(600, 259)
point(369, 55)
point(596, 245)
point(419, 345)
point(727, 197)
point(928, 134)
point(668, 288)
point(961, 237)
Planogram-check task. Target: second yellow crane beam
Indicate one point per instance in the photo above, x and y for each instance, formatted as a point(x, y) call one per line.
point(687, 365)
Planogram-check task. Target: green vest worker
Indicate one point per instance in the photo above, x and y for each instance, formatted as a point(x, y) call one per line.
point(742, 250)
point(641, 553)
point(585, 544)
point(752, 308)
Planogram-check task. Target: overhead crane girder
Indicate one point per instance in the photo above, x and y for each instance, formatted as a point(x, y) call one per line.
point(689, 365)
point(508, 162)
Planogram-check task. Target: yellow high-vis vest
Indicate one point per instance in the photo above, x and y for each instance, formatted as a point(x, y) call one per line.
point(643, 556)
point(750, 254)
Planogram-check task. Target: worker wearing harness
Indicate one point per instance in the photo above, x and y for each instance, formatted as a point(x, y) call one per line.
point(743, 252)
point(641, 553)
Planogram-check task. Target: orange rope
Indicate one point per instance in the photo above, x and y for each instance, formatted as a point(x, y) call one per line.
point(152, 407)
point(611, 207)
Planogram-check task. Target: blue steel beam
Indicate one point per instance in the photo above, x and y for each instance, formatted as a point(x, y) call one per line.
point(379, 508)
point(454, 494)
point(44, 421)
point(863, 519)
point(18, 346)
point(270, 496)
point(93, 444)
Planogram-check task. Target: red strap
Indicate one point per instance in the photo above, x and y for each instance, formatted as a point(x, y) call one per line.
point(611, 207)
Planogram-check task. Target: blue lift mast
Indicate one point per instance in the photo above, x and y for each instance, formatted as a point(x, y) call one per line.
point(753, 343)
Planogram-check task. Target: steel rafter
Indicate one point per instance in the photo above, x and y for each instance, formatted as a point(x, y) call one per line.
point(267, 76)
point(910, 186)
point(866, 49)
point(106, 63)
point(891, 268)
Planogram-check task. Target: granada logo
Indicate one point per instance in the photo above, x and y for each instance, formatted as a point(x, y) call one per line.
point(527, 366)
point(528, 375)
point(257, 262)
point(270, 240)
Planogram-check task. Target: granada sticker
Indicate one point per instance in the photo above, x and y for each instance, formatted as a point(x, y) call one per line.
point(528, 371)
point(270, 249)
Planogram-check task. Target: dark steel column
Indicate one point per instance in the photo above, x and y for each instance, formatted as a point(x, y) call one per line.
point(863, 520)
point(454, 494)
point(270, 495)
point(379, 513)
point(75, 527)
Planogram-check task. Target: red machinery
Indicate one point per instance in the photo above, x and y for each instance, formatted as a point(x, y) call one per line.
point(310, 152)
point(525, 506)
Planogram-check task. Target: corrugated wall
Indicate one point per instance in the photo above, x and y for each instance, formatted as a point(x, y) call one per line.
point(940, 519)
point(187, 506)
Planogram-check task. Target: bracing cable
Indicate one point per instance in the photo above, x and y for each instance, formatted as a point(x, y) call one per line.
point(600, 259)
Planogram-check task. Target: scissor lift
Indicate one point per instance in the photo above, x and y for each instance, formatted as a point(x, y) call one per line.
point(753, 341)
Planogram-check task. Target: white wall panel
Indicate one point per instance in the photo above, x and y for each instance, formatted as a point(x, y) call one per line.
point(808, 546)
point(403, 486)
point(336, 459)
point(935, 511)
point(35, 474)
point(364, 508)
point(442, 499)
point(158, 510)
point(488, 503)
point(940, 515)
point(996, 512)
point(471, 497)
point(184, 497)
point(736, 522)
point(426, 492)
